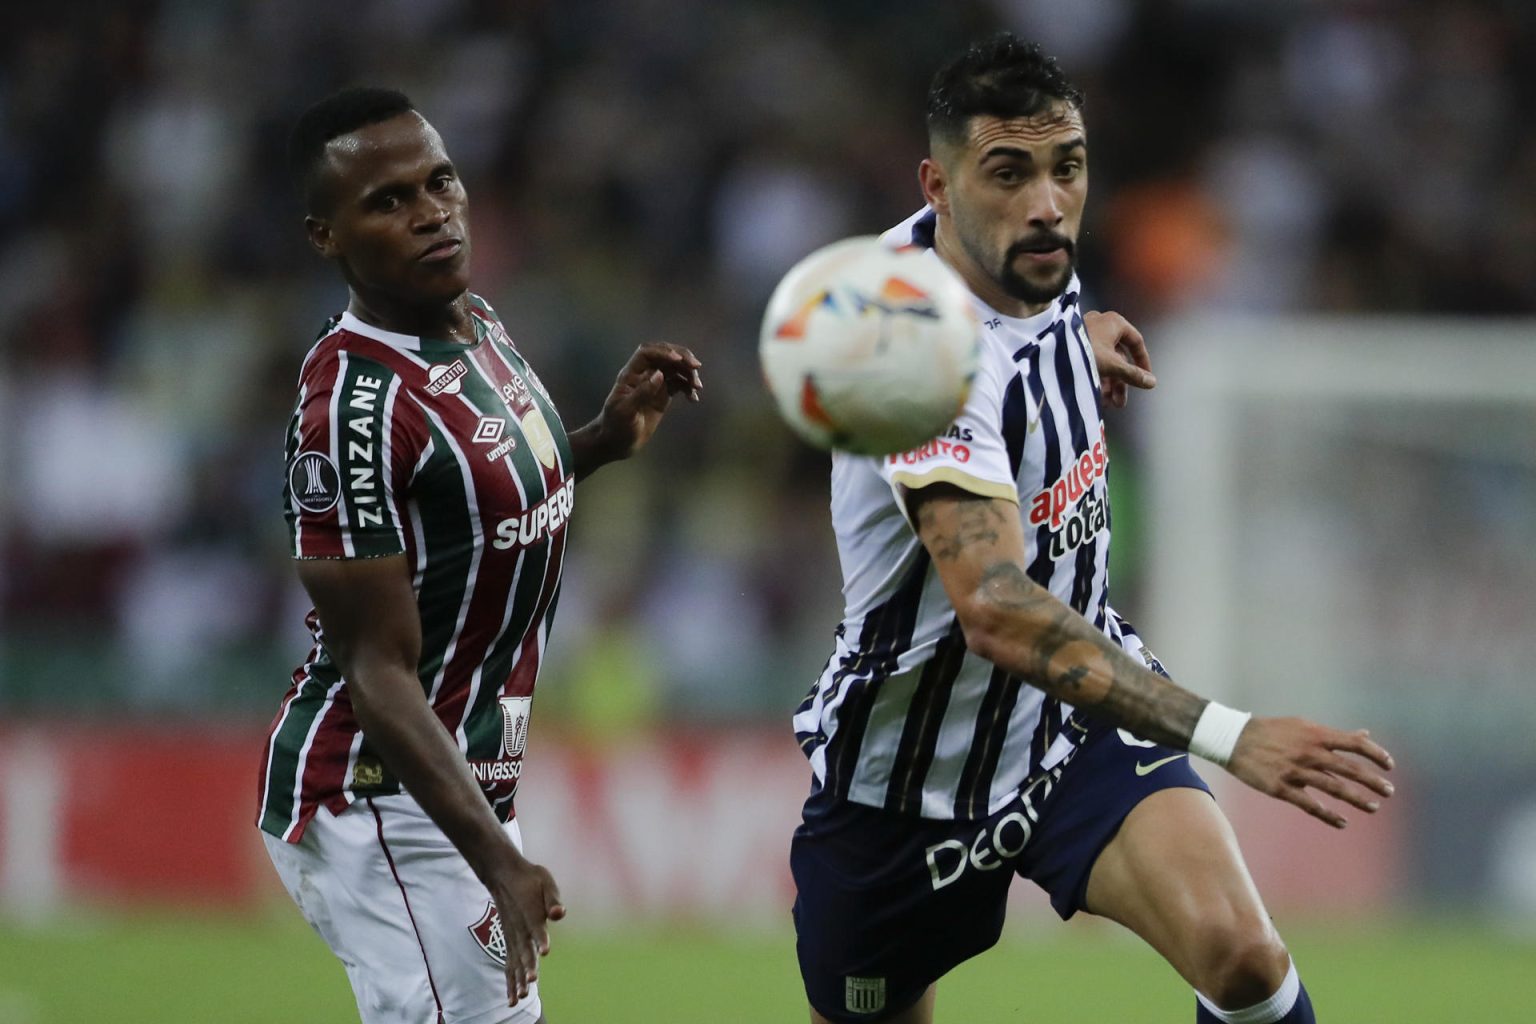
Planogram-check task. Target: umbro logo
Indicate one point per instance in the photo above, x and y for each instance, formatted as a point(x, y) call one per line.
point(490, 429)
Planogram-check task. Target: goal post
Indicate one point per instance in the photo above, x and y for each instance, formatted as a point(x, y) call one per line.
point(1340, 523)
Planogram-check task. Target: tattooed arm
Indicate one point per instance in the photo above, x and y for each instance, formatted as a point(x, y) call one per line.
point(977, 546)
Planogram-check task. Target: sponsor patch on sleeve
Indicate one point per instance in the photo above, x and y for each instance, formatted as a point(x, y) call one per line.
point(314, 482)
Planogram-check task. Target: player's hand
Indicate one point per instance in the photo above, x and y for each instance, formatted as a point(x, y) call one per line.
point(640, 396)
point(1294, 760)
point(1121, 353)
point(527, 901)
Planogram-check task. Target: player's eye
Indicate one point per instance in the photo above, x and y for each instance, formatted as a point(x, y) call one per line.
point(1069, 170)
point(1007, 175)
point(385, 203)
point(440, 182)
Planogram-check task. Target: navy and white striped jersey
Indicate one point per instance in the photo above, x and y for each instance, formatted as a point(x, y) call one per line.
point(904, 716)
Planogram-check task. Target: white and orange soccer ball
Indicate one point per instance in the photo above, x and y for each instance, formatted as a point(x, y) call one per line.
point(869, 349)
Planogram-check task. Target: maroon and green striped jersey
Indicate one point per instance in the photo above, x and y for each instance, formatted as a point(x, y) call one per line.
point(454, 457)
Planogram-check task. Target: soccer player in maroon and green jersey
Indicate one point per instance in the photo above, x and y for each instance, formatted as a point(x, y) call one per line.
point(429, 486)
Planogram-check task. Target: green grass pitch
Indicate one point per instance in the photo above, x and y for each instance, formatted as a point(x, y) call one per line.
point(159, 969)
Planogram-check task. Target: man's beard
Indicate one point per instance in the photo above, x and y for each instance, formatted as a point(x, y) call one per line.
point(1020, 287)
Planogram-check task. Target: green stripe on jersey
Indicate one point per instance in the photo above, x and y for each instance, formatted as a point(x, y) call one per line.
point(282, 775)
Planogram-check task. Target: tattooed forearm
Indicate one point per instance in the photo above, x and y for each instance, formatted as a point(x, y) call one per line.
point(977, 546)
point(1058, 650)
point(1152, 707)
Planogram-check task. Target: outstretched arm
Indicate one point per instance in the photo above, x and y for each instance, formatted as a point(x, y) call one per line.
point(635, 406)
point(977, 546)
point(370, 625)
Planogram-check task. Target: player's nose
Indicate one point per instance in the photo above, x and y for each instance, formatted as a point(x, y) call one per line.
point(431, 215)
point(1043, 205)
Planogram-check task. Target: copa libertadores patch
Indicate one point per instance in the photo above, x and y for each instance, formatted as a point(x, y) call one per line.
point(314, 482)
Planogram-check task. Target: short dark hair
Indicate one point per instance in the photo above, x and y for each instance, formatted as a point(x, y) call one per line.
point(336, 115)
point(1001, 76)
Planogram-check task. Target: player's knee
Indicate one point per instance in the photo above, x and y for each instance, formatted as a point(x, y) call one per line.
point(1244, 963)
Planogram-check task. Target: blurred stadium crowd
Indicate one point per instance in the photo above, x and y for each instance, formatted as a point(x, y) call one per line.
point(637, 170)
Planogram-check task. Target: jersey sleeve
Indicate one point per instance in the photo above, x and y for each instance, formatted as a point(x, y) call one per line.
point(353, 446)
point(971, 454)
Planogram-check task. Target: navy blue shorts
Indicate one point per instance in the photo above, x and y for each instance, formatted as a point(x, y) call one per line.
point(887, 903)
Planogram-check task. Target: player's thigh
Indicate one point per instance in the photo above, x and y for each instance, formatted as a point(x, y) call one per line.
point(1175, 876)
point(402, 911)
point(880, 915)
point(454, 917)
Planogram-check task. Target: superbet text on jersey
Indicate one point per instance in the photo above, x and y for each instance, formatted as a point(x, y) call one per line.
point(903, 716)
point(454, 457)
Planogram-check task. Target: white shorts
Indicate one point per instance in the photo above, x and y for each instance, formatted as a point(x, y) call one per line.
point(400, 907)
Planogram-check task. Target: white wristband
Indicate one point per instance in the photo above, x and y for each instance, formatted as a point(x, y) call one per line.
point(1216, 733)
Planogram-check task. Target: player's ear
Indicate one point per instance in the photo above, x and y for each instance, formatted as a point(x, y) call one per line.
point(319, 231)
point(935, 184)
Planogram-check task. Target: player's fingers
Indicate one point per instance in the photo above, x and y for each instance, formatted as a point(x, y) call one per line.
point(1134, 346)
point(1358, 774)
point(1360, 742)
point(654, 383)
point(554, 909)
point(1116, 367)
point(666, 352)
point(1298, 795)
point(681, 353)
point(680, 380)
point(1342, 791)
point(540, 940)
point(1134, 375)
point(522, 954)
point(517, 977)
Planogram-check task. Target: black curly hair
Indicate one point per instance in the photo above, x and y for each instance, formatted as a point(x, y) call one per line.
point(1002, 76)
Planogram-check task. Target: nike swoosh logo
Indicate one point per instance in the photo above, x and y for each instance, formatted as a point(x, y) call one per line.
point(1147, 769)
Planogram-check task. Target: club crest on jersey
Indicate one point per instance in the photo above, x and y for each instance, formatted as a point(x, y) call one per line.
point(444, 378)
point(314, 482)
point(864, 995)
point(489, 935)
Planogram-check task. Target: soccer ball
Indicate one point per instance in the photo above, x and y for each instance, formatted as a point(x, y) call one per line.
point(869, 349)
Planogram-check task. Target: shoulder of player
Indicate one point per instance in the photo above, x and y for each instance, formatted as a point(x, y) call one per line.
point(345, 366)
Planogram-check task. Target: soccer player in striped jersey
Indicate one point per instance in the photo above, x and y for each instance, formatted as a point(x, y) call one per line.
point(430, 483)
point(986, 712)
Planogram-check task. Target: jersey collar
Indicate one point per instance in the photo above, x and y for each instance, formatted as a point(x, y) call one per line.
point(351, 323)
